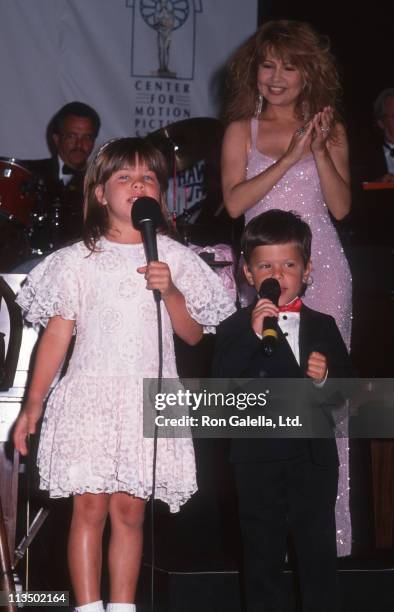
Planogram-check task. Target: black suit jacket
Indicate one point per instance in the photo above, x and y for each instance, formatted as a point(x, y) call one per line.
point(238, 355)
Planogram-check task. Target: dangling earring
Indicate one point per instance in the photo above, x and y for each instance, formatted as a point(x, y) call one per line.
point(259, 105)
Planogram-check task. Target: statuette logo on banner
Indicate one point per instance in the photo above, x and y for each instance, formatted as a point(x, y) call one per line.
point(163, 40)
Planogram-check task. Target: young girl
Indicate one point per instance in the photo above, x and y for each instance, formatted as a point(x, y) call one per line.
point(92, 444)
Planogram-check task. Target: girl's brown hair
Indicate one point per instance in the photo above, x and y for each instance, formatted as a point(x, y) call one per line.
point(294, 42)
point(111, 157)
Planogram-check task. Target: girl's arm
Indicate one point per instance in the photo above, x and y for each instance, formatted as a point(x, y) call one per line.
point(239, 193)
point(158, 276)
point(182, 323)
point(332, 162)
point(51, 351)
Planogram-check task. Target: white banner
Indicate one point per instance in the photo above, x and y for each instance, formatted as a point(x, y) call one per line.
point(141, 64)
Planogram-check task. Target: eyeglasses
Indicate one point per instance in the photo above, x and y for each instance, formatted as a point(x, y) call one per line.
point(72, 138)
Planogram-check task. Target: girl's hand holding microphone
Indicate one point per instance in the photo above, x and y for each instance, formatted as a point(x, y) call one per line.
point(158, 276)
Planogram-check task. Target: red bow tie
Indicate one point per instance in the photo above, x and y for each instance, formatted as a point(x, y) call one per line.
point(294, 306)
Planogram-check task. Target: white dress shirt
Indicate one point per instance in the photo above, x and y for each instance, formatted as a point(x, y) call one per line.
point(65, 178)
point(289, 323)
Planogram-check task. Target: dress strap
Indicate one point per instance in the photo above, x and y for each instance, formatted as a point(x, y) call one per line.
point(254, 126)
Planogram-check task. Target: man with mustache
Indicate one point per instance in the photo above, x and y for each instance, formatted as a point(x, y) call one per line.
point(71, 135)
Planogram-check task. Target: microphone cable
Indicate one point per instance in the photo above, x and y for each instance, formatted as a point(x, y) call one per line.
point(154, 462)
point(146, 217)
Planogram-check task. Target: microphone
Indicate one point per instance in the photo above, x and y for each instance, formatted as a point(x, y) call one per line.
point(146, 217)
point(270, 289)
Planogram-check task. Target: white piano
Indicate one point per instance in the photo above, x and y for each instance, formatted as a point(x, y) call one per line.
point(11, 398)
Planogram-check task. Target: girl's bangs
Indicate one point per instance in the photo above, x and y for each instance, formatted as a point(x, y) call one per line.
point(114, 160)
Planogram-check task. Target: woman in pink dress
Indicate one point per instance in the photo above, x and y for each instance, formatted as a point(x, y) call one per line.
point(285, 148)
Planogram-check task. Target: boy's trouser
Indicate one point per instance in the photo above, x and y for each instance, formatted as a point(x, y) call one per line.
point(277, 497)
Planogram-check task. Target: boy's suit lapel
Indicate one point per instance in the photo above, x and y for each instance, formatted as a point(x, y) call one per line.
point(309, 335)
point(304, 339)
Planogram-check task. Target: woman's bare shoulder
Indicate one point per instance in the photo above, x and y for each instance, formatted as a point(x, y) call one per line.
point(239, 127)
point(238, 134)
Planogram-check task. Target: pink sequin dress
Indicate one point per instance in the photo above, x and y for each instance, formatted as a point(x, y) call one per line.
point(331, 290)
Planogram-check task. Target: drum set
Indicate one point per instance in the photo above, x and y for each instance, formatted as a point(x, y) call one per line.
point(33, 219)
point(17, 201)
point(192, 148)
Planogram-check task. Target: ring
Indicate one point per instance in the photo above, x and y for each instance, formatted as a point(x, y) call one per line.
point(324, 130)
point(300, 131)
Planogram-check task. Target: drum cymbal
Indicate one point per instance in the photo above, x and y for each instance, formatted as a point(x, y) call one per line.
point(187, 142)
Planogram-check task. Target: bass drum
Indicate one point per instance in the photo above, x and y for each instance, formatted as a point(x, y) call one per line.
point(18, 191)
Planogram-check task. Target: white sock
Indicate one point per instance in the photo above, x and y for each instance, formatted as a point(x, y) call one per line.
point(120, 607)
point(95, 606)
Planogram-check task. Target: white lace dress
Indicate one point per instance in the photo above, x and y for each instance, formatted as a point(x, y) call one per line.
point(92, 433)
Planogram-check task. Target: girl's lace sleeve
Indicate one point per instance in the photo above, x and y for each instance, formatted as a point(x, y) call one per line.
point(207, 299)
point(51, 289)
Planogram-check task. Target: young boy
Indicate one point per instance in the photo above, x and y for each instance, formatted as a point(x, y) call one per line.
point(284, 484)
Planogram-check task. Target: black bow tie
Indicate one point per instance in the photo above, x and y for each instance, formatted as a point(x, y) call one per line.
point(71, 171)
point(391, 149)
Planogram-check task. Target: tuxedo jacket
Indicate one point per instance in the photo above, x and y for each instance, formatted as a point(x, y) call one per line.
point(238, 354)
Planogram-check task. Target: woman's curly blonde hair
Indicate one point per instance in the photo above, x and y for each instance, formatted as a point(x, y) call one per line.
point(295, 42)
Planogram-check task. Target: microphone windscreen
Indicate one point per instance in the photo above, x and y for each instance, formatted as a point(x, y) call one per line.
point(270, 289)
point(145, 208)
